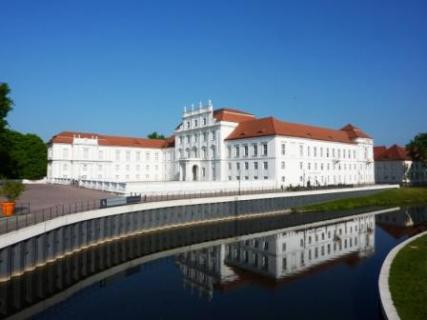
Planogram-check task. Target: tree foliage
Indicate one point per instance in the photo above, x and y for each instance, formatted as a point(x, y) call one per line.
point(5, 105)
point(155, 135)
point(22, 156)
point(28, 156)
point(417, 148)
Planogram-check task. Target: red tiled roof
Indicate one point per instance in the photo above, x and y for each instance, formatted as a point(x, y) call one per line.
point(354, 132)
point(274, 127)
point(395, 152)
point(232, 115)
point(106, 140)
point(378, 151)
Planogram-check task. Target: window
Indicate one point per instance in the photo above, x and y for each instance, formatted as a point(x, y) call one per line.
point(283, 165)
point(156, 156)
point(236, 151)
point(204, 121)
point(265, 165)
point(205, 136)
point(256, 165)
point(85, 153)
point(264, 149)
point(237, 165)
point(127, 155)
point(204, 172)
point(283, 179)
point(314, 152)
point(308, 151)
point(213, 151)
point(301, 150)
point(229, 152)
point(65, 153)
point(138, 155)
point(246, 150)
point(283, 149)
point(127, 167)
point(246, 165)
point(213, 135)
point(195, 123)
point(147, 156)
point(229, 166)
point(255, 148)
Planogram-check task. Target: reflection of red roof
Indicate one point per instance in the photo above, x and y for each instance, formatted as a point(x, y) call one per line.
point(232, 115)
point(395, 152)
point(400, 231)
point(104, 140)
point(272, 127)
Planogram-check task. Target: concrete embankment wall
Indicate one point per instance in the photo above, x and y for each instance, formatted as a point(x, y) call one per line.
point(30, 247)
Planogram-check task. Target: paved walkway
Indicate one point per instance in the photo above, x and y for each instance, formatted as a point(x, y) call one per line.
point(41, 196)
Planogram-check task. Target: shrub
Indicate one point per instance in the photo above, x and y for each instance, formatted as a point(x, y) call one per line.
point(12, 190)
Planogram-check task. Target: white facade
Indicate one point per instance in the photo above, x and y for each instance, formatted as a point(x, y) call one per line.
point(203, 151)
point(393, 165)
point(85, 159)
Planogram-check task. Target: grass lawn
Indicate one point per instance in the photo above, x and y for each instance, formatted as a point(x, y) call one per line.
point(408, 280)
point(388, 198)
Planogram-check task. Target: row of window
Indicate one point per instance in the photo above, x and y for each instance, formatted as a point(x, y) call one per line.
point(194, 138)
point(129, 156)
point(117, 167)
point(194, 153)
point(237, 150)
point(245, 165)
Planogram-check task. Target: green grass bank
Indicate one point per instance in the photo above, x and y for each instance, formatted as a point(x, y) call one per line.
point(389, 198)
point(408, 280)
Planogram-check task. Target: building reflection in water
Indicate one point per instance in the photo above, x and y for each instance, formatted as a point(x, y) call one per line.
point(407, 222)
point(277, 256)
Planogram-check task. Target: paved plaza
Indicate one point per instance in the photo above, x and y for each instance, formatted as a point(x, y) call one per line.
point(40, 196)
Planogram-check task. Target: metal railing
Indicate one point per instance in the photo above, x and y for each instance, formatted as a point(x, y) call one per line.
point(25, 217)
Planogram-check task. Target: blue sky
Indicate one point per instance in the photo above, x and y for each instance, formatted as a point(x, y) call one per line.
point(129, 67)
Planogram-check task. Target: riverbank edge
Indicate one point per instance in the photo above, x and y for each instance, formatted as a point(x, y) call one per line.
point(388, 308)
point(331, 205)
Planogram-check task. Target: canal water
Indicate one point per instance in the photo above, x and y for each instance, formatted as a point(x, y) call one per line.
point(264, 268)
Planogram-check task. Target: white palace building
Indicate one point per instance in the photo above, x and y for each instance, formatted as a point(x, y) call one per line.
point(222, 147)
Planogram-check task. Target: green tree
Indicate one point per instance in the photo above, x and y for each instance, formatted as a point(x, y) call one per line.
point(417, 148)
point(5, 107)
point(155, 135)
point(28, 156)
